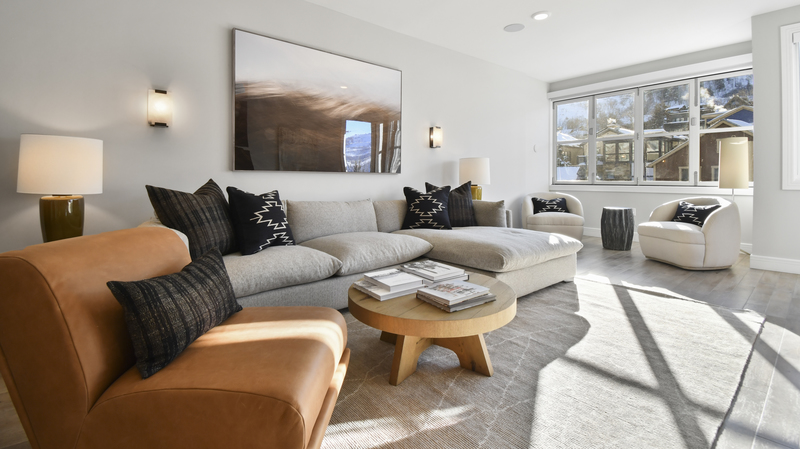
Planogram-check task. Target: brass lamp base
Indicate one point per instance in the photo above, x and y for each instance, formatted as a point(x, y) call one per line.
point(477, 192)
point(61, 217)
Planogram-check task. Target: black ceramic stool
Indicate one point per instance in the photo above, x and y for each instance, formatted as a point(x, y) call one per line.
point(616, 228)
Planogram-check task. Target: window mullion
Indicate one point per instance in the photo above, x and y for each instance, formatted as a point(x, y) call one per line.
point(694, 133)
point(638, 143)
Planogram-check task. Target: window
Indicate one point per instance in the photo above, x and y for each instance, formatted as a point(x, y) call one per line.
point(572, 140)
point(665, 134)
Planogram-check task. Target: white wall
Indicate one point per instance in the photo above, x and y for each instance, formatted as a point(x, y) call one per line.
point(83, 68)
point(776, 245)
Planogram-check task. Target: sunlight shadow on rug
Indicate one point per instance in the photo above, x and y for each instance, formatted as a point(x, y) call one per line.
point(583, 364)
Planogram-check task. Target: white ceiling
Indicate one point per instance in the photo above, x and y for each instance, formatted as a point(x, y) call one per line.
point(581, 37)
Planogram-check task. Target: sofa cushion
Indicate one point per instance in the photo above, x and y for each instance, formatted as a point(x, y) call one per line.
point(673, 231)
point(256, 380)
point(202, 216)
point(693, 213)
point(555, 219)
point(490, 213)
point(427, 210)
point(541, 205)
point(495, 249)
point(459, 204)
point(167, 313)
point(278, 266)
point(312, 219)
point(365, 251)
point(259, 220)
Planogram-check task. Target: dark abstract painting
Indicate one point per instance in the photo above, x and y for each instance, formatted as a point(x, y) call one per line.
point(301, 109)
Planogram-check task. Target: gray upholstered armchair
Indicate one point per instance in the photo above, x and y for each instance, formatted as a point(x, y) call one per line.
point(569, 224)
point(713, 246)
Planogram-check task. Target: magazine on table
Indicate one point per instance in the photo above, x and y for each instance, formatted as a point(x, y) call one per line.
point(460, 277)
point(432, 270)
point(394, 279)
point(378, 292)
point(461, 305)
point(451, 292)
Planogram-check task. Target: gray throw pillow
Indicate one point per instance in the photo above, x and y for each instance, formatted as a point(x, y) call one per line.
point(166, 314)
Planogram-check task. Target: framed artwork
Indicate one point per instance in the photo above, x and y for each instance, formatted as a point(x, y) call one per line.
point(301, 109)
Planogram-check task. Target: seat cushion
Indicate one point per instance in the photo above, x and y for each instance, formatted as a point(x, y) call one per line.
point(495, 249)
point(256, 380)
point(278, 266)
point(555, 219)
point(365, 251)
point(673, 231)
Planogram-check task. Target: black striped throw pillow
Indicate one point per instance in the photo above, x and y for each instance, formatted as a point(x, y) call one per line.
point(166, 314)
point(203, 216)
point(459, 205)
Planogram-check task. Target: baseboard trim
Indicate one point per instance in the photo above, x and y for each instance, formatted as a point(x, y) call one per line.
point(775, 264)
point(595, 232)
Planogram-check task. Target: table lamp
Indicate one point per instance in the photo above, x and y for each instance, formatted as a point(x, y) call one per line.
point(63, 168)
point(475, 169)
point(734, 164)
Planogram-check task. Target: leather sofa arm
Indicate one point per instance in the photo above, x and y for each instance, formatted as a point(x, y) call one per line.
point(154, 222)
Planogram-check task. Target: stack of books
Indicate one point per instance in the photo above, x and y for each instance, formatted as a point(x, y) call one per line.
point(452, 296)
point(434, 272)
point(389, 283)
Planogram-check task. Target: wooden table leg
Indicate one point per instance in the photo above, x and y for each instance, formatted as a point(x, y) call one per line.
point(388, 337)
point(406, 354)
point(471, 352)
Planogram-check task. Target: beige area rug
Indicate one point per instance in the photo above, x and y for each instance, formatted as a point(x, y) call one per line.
point(583, 365)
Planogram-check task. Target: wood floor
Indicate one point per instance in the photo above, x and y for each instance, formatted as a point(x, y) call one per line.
point(767, 410)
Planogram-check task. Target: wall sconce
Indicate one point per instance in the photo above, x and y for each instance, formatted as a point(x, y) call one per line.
point(436, 137)
point(159, 108)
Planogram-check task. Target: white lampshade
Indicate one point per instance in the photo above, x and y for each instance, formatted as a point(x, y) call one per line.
point(475, 169)
point(55, 165)
point(734, 163)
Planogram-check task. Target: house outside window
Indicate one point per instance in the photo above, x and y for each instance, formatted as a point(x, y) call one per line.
point(663, 134)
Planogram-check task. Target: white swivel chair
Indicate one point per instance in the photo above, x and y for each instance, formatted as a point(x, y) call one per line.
point(713, 246)
point(569, 224)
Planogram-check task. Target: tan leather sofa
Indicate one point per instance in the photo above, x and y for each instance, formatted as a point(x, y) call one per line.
point(268, 377)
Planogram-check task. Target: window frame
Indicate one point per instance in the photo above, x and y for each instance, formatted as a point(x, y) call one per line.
point(639, 153)
point(701, 132)
point(790, 106)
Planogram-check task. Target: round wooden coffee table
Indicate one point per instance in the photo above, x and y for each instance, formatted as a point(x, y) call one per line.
point(413, 325)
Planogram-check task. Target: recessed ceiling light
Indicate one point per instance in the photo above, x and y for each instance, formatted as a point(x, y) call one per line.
point(343, 87)
point(514, 27)
point(541, 15)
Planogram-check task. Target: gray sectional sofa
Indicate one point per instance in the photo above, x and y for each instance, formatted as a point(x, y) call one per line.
point(338, 241)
